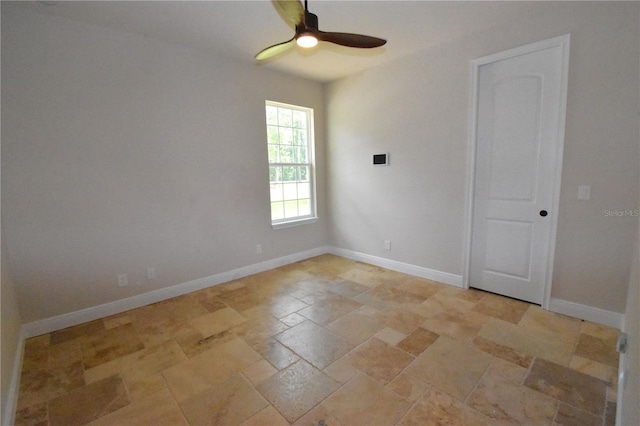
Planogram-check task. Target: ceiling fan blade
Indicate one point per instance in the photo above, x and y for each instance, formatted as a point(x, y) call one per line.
point(291, 10)
point(351, 40)
point(274, 50)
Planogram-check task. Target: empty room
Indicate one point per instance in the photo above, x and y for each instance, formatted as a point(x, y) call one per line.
point(320, 213)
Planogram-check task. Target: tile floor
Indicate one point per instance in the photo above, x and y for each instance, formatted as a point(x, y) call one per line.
point(326, 341)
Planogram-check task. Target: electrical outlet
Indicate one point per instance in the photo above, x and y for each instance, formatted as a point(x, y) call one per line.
point(123, 280)
point(387, 245)
point(151, 273)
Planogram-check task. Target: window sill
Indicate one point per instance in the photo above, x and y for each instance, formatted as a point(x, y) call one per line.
point(282, 225)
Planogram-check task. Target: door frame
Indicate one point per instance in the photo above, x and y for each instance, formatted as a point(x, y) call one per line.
point(563, 42)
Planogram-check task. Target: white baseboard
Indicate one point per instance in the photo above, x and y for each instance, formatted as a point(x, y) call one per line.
point(588, 313)
point(59, 322)
point(11, 402)
point(418, 271)
point(601, 316)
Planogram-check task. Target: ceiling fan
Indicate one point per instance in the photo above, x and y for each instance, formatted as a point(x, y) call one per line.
point(307, 33)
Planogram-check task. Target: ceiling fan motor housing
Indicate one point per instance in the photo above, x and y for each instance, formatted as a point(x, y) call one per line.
point(310, 21)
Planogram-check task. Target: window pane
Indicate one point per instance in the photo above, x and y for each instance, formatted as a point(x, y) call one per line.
point(285, 117)
point(290, 209)
point(277, 211)
point(300, 137)
point(300, 119)
point(272, 115)
point(289, 173)
point(286, 136)
point(272, 134)
point(304, 190)
point(287, 154)
point(276, 192)
point(274, 174)
point(304, 207)
point(273, 153)
point(290, 191)
point(302, 154)
point(304, 174)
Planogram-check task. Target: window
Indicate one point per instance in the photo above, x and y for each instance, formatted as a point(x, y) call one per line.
point(291, 173)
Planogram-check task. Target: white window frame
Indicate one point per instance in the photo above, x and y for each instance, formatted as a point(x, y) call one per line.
point(300, 219)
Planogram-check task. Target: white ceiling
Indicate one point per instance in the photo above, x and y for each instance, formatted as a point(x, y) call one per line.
point(241, 28)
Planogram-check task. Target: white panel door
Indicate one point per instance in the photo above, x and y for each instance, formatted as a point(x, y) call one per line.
point(519, 121)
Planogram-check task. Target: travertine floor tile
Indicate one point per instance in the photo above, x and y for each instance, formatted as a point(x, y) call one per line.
point(416, 342)
point(241, 298)
point(284, 305)
point(442, 302)
point(292, 320)
point(318, 416)
point(88, 403)
point(409, 387)
point(64, 379)
point(329, 309)
point(230, 402)
point(438, 408)
point(503, 352)
point(554, 345)
point(297, 389)
point(314, 343)
point(326, 341)
point(267, 417)
point(109, 344)
point(421, 287)
point(597, 349)
point(355, 327)
point(217, 322)
point(389, 293)
point(64, 354)
point(503, 308)
point(454, 325)
point(593, 368)
point(379, 360)
point(258, 329)
point(381, 406)
point(74, 332)
point(341, 370)
point(451, 366)
point(214, 366)
point(156, 409)
point(400, 319)
point(259, 372)
point(571, 416)
point(35, 415)
point(208, 298)
point(390, 336)
point(500, 396)
point(579, 390)
point(276, 353)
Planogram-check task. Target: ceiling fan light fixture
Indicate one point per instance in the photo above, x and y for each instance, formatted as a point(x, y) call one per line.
point(306, 40)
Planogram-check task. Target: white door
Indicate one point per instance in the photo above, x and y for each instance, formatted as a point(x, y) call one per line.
point(519, 132)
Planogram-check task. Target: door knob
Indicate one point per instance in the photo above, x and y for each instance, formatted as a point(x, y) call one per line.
point(543, 213)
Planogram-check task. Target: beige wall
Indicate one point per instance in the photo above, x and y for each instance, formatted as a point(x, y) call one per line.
point(121, 153)
point(417, 109)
